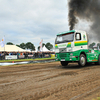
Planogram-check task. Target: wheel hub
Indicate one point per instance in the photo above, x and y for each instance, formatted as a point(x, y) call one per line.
point(82, 60)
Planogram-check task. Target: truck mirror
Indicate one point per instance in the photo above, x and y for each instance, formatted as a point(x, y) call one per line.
point(77, 36)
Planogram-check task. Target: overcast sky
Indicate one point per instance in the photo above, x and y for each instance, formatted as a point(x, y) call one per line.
point(32, 20)
point(23, 21)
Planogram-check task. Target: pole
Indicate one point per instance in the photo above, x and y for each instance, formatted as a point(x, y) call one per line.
point(42, 48)
point(4, 46)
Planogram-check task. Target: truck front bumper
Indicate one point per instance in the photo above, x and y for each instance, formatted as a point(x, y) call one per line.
point(71, 56)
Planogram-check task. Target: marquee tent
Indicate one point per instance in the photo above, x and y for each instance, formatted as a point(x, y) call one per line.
point(11, 48)
point(44, 49)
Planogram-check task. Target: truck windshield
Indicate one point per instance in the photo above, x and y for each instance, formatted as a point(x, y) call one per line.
point(68, 37)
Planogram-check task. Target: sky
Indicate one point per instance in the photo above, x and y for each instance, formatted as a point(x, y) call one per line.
point(25, 21)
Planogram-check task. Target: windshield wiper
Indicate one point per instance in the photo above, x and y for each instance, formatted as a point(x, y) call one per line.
point(57, 42)
point(68, 40)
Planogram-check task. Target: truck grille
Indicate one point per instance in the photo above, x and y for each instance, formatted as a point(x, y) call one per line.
point(63, 55)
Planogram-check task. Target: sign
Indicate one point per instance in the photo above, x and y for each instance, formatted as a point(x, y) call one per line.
point(11, 57)
point(30, 55)
point(21, 56)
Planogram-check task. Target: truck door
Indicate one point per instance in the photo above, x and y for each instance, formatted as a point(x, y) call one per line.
point(80, 41)
point(77, 42)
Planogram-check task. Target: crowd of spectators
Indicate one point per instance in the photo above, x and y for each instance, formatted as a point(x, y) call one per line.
point(26, 55)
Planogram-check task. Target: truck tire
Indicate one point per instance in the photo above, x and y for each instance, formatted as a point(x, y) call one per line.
point(82, 60)
point(64, 63)
point(99, 60)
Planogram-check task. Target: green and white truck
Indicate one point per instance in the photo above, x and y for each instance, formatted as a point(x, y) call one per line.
point(72, 46)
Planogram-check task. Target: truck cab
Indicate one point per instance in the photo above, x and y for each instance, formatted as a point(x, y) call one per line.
point(72, 46)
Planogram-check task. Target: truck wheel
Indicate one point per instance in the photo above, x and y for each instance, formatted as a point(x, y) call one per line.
point(99, 60)
point(64, 63)
point(82, 60)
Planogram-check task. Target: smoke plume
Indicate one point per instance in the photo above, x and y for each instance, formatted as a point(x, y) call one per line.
point(85, 9)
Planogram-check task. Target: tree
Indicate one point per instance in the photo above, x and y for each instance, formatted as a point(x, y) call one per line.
point(91, 45)
point(49, 46)
point(29, 45)
point(23, 45)
point(10, 43)
point(17, 45)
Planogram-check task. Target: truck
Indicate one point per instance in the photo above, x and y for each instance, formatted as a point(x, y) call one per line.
point(72, 46)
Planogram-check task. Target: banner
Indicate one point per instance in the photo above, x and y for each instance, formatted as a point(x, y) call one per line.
point(11, 57)
point(21, 56)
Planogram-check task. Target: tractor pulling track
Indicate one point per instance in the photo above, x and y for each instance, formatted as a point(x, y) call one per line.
point(49, 81)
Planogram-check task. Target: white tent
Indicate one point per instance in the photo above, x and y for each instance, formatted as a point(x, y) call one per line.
point(11, 48)
point(44, 49)
point(35, 50)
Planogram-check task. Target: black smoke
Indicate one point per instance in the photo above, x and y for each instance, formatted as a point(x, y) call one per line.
point(85, 9)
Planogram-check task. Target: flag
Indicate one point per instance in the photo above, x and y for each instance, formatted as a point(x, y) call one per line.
point(41, 44)
point(2, 43)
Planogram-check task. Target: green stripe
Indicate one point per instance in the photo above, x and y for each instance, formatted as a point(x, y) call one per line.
point(69, 45)
point(78, 44)
point(56, 46)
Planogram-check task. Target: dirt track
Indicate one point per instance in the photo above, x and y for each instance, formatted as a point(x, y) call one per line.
point(49, 81)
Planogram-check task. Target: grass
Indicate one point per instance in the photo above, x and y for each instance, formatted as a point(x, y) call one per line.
point(18, 60)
